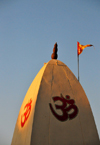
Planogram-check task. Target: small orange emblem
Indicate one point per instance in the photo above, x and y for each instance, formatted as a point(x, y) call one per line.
point(26, 114)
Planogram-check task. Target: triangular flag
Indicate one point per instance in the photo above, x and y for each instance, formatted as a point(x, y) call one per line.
point(81, 47)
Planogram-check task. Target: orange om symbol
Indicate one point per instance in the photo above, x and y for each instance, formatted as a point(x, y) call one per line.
point(26, 114)
point(65, 108)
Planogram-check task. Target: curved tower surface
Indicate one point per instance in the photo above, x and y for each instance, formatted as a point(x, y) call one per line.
point(55, 110)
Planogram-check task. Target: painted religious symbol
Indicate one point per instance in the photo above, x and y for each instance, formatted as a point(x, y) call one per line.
point(26, 113)
point(68, 108)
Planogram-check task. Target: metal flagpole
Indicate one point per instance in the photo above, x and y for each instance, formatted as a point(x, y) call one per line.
point(78, 65)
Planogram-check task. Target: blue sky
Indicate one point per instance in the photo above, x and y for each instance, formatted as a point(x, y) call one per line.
point(28, 32)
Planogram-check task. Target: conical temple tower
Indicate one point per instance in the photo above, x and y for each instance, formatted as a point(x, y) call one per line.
point(55, 110)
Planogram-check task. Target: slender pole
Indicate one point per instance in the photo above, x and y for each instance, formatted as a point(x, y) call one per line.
point(78, 65)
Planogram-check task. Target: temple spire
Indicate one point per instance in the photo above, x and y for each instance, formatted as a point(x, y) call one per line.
point(55, 49)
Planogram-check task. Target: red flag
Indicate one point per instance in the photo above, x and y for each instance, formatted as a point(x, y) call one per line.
point(81, 47)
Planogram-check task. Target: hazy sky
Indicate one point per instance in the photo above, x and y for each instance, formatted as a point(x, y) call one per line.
point(28, 32)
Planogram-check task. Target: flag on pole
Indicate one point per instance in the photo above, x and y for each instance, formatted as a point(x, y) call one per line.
point(79, 51)
point(81, 47)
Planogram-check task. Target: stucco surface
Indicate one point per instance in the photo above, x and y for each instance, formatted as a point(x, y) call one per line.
point(42, 127)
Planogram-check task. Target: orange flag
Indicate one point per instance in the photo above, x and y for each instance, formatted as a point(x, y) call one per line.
point(81, 47)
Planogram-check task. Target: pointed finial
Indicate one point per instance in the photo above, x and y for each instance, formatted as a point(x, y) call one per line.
point(54, 54)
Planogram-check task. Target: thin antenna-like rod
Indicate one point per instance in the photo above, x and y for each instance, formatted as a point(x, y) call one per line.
point(78, 65)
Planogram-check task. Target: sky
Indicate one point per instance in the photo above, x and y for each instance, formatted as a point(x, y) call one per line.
point(28, 31)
